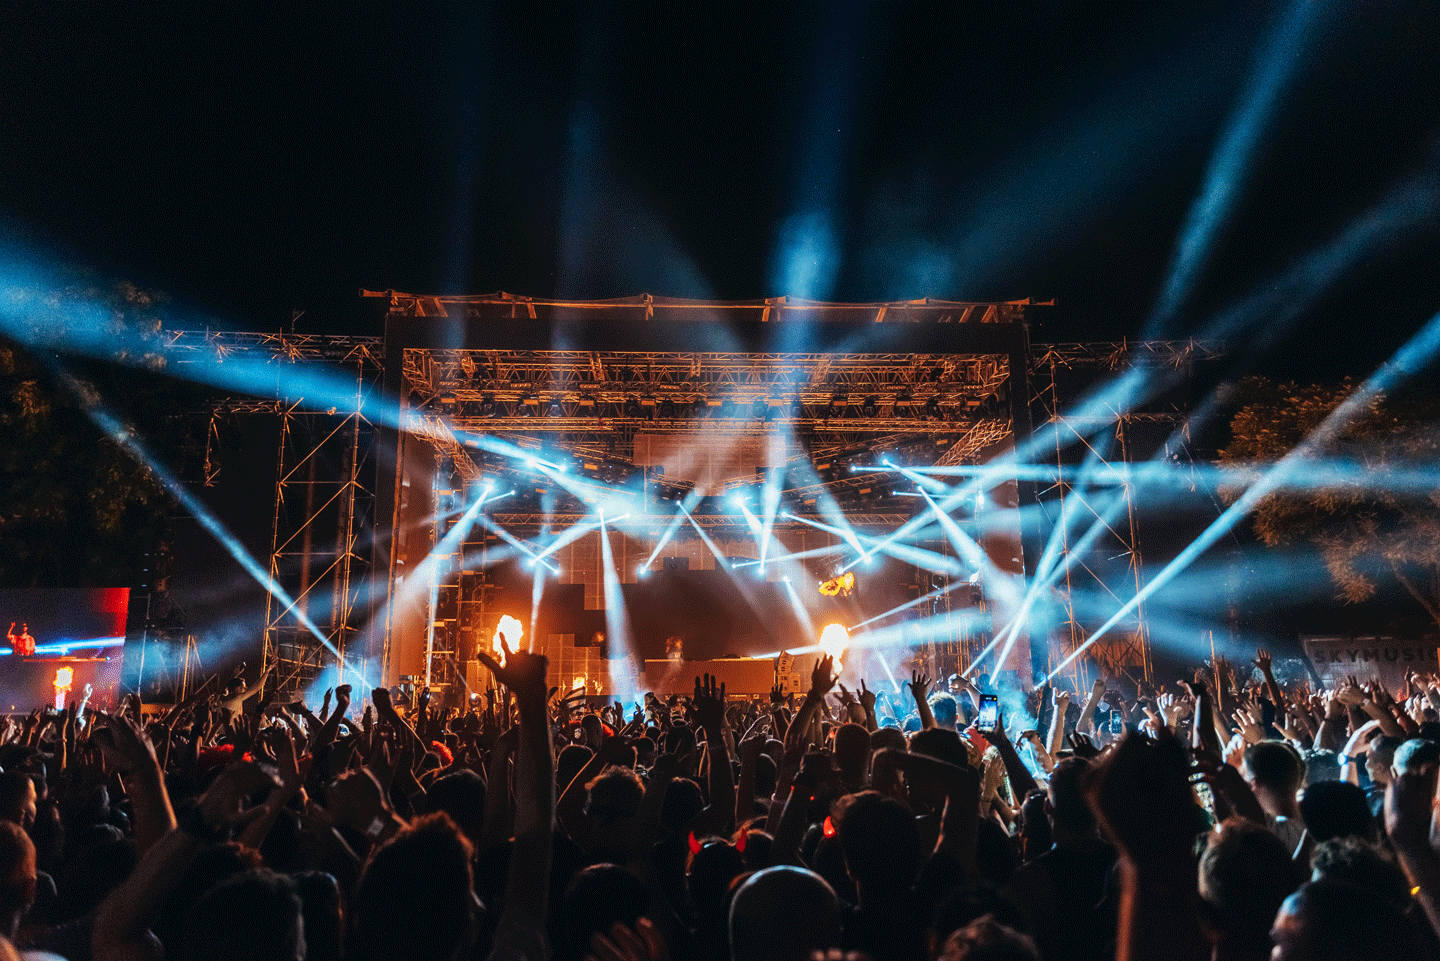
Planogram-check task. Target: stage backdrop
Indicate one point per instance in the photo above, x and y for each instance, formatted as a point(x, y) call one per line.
point(82, 630)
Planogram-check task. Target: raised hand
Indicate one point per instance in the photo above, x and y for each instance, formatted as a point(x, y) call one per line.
point(622, 943)
point(867, 698)
point(224, 801)
point(342, 699)
point(919, 685)
point(777, 695)
point(126, 747)
point(1350, 693)
point(1262, 661)
point(823, 678)
point(709, 701)
point(1248, 720)
point(521, 672)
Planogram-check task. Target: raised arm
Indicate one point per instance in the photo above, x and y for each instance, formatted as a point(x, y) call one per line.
point(127, 748)
point(1057, 721)
point(822, 679)
point(1086, 722)
point(710, 713)
point(920, 690)
point(521, 929)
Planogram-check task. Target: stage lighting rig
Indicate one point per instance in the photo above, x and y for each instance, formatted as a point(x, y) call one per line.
point(841, 585)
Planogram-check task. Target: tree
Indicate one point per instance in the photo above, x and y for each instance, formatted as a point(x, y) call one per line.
point(75, 508)
point(1371, 506)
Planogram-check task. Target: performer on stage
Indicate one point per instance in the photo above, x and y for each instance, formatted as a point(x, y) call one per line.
point(22, 643)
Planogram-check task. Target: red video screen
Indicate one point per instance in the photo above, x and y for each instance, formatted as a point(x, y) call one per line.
point(59, 642)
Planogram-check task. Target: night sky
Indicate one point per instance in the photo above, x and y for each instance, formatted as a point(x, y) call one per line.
point(254, 158)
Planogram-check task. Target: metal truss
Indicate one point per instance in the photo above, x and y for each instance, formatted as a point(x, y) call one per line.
point(323, 523)
point(209, 346)
point(1126, 649)
point(1113, 355)
point(650, 307)
point(879, 520)
point(321, 539)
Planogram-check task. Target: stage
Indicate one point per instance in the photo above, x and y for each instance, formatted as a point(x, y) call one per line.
point(625, 476)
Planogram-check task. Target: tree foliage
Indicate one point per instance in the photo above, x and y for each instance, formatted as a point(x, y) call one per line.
point(1368, 527)
point(77, 509)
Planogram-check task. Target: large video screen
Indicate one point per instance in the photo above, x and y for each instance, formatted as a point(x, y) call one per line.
point(60, 622)
point(59, 642)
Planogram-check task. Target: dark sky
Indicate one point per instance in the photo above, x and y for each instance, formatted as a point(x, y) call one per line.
point(250, 158)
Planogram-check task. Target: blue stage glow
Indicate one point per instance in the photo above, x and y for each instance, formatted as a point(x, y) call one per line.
point(1408, 361)
point(130, 443)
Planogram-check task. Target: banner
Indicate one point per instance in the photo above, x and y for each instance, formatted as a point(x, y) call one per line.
point(1388, 658)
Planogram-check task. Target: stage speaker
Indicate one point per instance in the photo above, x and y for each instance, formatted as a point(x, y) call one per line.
point(677, 565)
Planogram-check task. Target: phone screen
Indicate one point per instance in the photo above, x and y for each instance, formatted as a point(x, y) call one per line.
point(989, 713)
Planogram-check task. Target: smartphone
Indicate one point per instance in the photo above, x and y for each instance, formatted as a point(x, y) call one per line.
point(989, 714)
point(1117, 723)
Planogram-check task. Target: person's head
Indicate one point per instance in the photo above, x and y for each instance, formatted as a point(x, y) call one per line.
point(569, 762)
point(1036, 836)
point(1321, 764)
point(1379, 756)
point(783, 914)
point(890, 737)
point(461, 795)
point(880, 843)
point(1273, 768)
point(986, 939)
point(709, 874)
point(419, 880)
point(1337, 809)
point(645, 751)
point(1334, 921)
point(1245, 874)
point(322, 907)
point(17, 876)
point(1355, 861)
point(1065, 801)
point(940, 744)
point(596, 899)
point(255, 916)
point(942, 706)
point(682, 804)
point(612, 796)
point(1416, 754)
point(852, 752)
point(593, 729)
point(18, 798)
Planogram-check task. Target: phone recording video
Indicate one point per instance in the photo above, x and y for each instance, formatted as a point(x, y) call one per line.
point(989, 714)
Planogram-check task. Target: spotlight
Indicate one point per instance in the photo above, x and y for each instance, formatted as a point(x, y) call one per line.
point(513, 631)
point(642, 570)
point(834, 639)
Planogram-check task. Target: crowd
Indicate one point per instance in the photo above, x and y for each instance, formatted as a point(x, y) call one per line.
point(1228, 816)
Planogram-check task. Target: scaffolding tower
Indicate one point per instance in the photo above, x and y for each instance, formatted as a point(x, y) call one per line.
point(323, 525)
point(1094, 564)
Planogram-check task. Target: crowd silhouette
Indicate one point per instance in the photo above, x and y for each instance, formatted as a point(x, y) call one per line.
point(1226, 816)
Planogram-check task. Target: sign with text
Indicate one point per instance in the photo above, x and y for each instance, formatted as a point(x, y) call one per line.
point(1387, 658)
